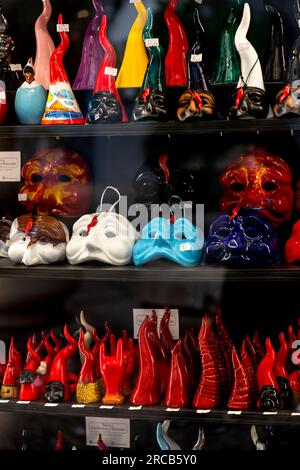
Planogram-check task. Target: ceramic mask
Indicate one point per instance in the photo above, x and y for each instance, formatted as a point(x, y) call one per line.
point(149, 105)
point(288, 100)
point(196, 104)
point(104, 107)
point(57, 181)
point(180, 242)
point(249, 102)
point(247, 239)
point(259, 180)
point(39, 240)
point(104, 236)
point(5, 226)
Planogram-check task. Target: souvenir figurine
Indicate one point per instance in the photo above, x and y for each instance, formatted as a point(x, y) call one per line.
point(43, 370)
point(228, 67)
point(176, 58)
point(165, 335)
point(259, 348)
point(261, 181)
point(151, 102)
point(10, 383)
point(249, 366)
point(113, 372)
point(129, 363)
point(44, 46)
point(106, 105)
point(9, 79)
point(294, 381)
point(209, 391)
point(164, 441)
point(100, 444)
point(226, 346)
point(57, 181)
point(247, 239)
point(197, 101)
point(255, 439)
point(28, 389)
point(37, 240)
point(287, 100)
point(5, 226)
point(240, 398)
point(163, 362)
point(281, 372)
point(180, 242)
point(61, 106)
point(58, 344)
point(276, 67)
point(178, 389)
point(147, 388)
point(292, 247)
point(103, 236)
point(250, 99)
point(190, 350)
point(88, 388)
point(61, 382)
point(135, 60)
point(30, 98)
point(92, 53)
point(59, 441)
point(269, 393)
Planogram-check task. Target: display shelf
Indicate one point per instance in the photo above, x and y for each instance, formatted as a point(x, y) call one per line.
point(152, 128)
point(160, 271)
point(151, 413)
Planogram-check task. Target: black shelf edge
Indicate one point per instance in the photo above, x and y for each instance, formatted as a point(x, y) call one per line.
point(151, 413)
point(158, 271)
point(152, 128)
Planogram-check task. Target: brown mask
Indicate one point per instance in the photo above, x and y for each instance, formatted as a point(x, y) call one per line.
point(199, 104)
point(43, 228)
point(9, 391)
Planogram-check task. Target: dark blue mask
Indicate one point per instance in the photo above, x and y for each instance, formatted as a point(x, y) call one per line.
point(247, 239)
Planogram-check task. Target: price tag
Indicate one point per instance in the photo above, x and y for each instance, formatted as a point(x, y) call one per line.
point(10, 166)
point(106, 407)
point(16, 67)
point(203, 412)
point(22, 197)
point(140, 313)
point(238, 413)
point(51, 405)
point(111, 71)
point(196, 57)
point(153, 42)
point(2, 95)
point(63, 28)
point(173, 409)
point(114, 432)
point(133, 408)
point(270, 413)
point(20, 402)
point(134, 1)
point(4, 401)
point(186, 247)
point(78, 406)
point(244, 46)
point(295, 414)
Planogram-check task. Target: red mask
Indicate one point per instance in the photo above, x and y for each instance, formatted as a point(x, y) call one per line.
point(258, 180)
point(57, 181)
point(292, 247)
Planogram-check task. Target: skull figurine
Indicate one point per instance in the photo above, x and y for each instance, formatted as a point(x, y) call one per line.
point(180, 242)
point(104, 107)
point(196, 104)
point(247, 239)
point(259, 180)
point(151, 104)
point(39, 240)
point(105, 236)
point(56, 181)
point(249, 102)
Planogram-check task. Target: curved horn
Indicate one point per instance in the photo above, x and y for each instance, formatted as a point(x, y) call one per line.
point(240, 398)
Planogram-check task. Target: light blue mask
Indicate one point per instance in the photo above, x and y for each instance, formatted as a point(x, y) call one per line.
point(180, 242)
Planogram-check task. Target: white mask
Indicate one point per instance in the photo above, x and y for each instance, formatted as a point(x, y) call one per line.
point(4, 237)
point(36, 246)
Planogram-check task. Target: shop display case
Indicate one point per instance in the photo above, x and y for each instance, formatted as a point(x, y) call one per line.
point(46, 296)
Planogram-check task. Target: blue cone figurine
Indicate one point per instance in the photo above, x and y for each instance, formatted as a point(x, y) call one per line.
point(30, 98)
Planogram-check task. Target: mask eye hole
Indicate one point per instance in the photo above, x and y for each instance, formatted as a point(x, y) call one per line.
point(251, 232)
point(36, 178)
point(64, 179)
point(223, 232)
point(253, 229)
point(110, 234)
point(237, 187)
point(83, 233)
point(269, 186)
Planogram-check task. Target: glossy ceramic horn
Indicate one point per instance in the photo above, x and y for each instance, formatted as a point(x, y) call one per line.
point(113, 372)
point(44, 46)
point(277, 65)
point(10, 383)
point(269, 392)
point(88, 387)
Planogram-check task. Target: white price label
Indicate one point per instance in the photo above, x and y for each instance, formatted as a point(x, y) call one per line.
point(173, 409)
point(134, 408)
point(16, 67)
point(114, 432)
point(2, 352)
point(4, 401)
point(63, 28)
point(23, 402)
point(196, 57)
point(203, 412)
point(134, 1)
point(106, 407)
point(139, 315)
point(78, 406)
point(153, 42)
point(22, 197)
point(2, 95)
point(186, 205)
point(244, 46)
point(51, 405)
point(186, 247)
point(238, 413)
point(111, 71)
point(10, 166)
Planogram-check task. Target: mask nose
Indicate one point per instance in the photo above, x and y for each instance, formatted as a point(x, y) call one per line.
point(159, 242)
point(233, 244)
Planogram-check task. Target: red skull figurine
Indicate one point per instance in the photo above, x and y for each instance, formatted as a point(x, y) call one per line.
point(261, 181)
point(57, 181)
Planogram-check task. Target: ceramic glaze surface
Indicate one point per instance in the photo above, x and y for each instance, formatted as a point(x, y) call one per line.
point(180, 242)
point(5, 226)
point(44, 46)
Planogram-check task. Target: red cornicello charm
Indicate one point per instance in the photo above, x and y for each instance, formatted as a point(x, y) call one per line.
point(260, 181)
point(192, 357)
point(147, 388)
point(259, 349)
point(88, 388)
point(281, 372)
point(178, 389)
point(240, 398)
point(226, 346)
point(57, 342)
point(292, 247)
point(113, 372)
point(209, 392)
point(248, 362)
point(176, 58)
point(28, 389)
point(10, 383)
point(165, 336)
point(251, 350)
point(162, 361)
point(45, 366)
point(61, 382)
point(269, 393)
point(129, 362)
